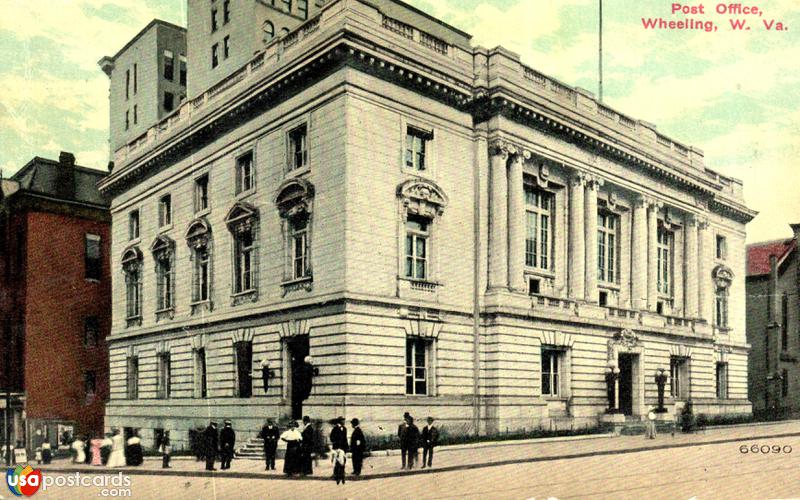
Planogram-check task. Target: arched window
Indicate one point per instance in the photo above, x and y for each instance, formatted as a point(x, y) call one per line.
point(723, 277)
point(284, 31)
point(242, 221)
point(163, 249)
point(295, 206)
point(269, 31)
point(132, 268)
point(198, 238)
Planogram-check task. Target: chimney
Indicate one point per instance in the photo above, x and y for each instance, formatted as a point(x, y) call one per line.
point(65, 176)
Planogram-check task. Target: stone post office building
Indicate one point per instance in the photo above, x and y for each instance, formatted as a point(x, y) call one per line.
point(443, 229)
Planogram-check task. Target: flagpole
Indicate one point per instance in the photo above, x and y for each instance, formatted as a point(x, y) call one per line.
point(600, 53)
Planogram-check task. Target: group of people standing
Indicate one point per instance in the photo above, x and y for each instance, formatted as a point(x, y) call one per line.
point(112, 450)
point(219, 443)
point(411, 438)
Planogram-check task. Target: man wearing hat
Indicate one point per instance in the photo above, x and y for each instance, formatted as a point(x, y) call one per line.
point(227, 440)
point(430, 438)
point(306, 447)
point(402, 431)
point(357, 446)
point(339, 435)
point(211, 445)
point(270, 434)
point(412, 442)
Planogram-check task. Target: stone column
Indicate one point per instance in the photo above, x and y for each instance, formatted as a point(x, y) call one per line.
point(498, 218)
point(691, 275)
point(639, 254)
point(577, 255)
point(703, 280)
point(516, 224)
point(652, 256)
point(590, 226)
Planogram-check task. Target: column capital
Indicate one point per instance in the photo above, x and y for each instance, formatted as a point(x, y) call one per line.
point(577, 178)
point(594, 182)
point(500, 147)
point(702, 223)
point(690, 220)
point(641, 201)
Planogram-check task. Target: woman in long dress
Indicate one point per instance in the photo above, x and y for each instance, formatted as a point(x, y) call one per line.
point(79, 451)
point(96, 443)
point(292, 438)
point(117, 458)
point(135, 451)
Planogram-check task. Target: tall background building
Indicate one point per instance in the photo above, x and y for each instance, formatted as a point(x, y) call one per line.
point(368, 215)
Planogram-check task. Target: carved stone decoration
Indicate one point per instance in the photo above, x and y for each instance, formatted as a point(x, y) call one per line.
point(241, 216)
point(294, 198)
point(198, 234)
point(723, 276)
point(611, 201)
point(422, 197)
point(627, 338)
point(131, 259)
point(162, 248)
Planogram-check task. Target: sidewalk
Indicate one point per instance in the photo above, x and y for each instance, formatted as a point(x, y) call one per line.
point(463, 457)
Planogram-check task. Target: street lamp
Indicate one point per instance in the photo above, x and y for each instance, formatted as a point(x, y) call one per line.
point(661, 381)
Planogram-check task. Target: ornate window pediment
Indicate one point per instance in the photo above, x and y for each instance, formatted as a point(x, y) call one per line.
point(723, 276)
point(162, 247)
point(241, 216)
point(131, 259)
point(198, 233)
point(422, 197)
point(294, 198)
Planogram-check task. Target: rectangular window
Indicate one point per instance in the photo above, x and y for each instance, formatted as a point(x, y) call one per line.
point(201, 193)
point(226, 12)
point(287, 5)
point(135, 82)
point(607, 225)
point(202, 284)
point(169, 101)
point(127, 84)
point(214, 20)
point(784, 322)
point(539, 213)
point(169, 65)
point(164, 282)
point(416, 145)
point(164, 388)
point(226, 47)
point(722, 380)
point(135, 114)
point(244, 366)
point(679, 377)
point(93, 257)
point(133, 378)
point(127, 120)
point(722, 247)
point(165, 211)
point(298, 147)
point(91, 331)
point(302, 8)
point(215, 55)
point(417, 248)
point(416, 366)
point(133, 286)
point(665, 253)
point(244, 173)
point(90, 383)
point(785, 383)
point(133, 225)
point(243, 281)
point(721, 308)
point(182, 74)
point(551, 371)
point(299, 249)
point(201, 375)
point(534, 286)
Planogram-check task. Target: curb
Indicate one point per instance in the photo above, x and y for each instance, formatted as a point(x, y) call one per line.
point(383, 475)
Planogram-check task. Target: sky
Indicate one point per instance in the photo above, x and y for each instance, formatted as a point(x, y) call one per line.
point(733, 94)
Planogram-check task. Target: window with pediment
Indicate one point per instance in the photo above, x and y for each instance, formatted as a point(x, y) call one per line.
point(723, 277)
point(422, 205)
point(132, 269)
point(242, 222)
point(198, 238)
point(295, 203)
point(163, 249)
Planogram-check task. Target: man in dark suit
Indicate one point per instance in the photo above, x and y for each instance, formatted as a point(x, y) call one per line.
point(412, 442)
point(227, 441)
point(402, 430)
point(306, 447)
point(270, 434)
point(430, 438)
point(211, 445)
point(357, 446)
point(339, 435)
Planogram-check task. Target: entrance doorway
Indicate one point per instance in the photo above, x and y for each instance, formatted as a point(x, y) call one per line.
point(626, 362)
point(300, 373)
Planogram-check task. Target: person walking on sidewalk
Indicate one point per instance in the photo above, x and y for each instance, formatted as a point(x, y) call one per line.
point(357, 447)
point(270, 434)
point(339, 459)
point(210, 445)
point(292, 438)
point(306, 447)
point(430, 438)
point(117, 457)
point(339, 435)
point(402, 431)
point(412, 442)
point(227, 441)
point(651, 425)
point(166, 450)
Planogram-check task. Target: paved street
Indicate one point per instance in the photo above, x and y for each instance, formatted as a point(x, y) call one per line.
point(716, 470)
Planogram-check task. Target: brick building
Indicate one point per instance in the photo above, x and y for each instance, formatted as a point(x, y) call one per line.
point(773, 288)
point(443, 229)
point(55, 296)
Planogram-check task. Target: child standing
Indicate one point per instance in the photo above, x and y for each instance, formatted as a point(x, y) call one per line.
point(339, 459)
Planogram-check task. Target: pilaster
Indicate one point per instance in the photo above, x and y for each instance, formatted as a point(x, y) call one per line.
point(577, 254)
point(516, 223)
point(498, 220)
point(639, 254)
point(590, 226)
